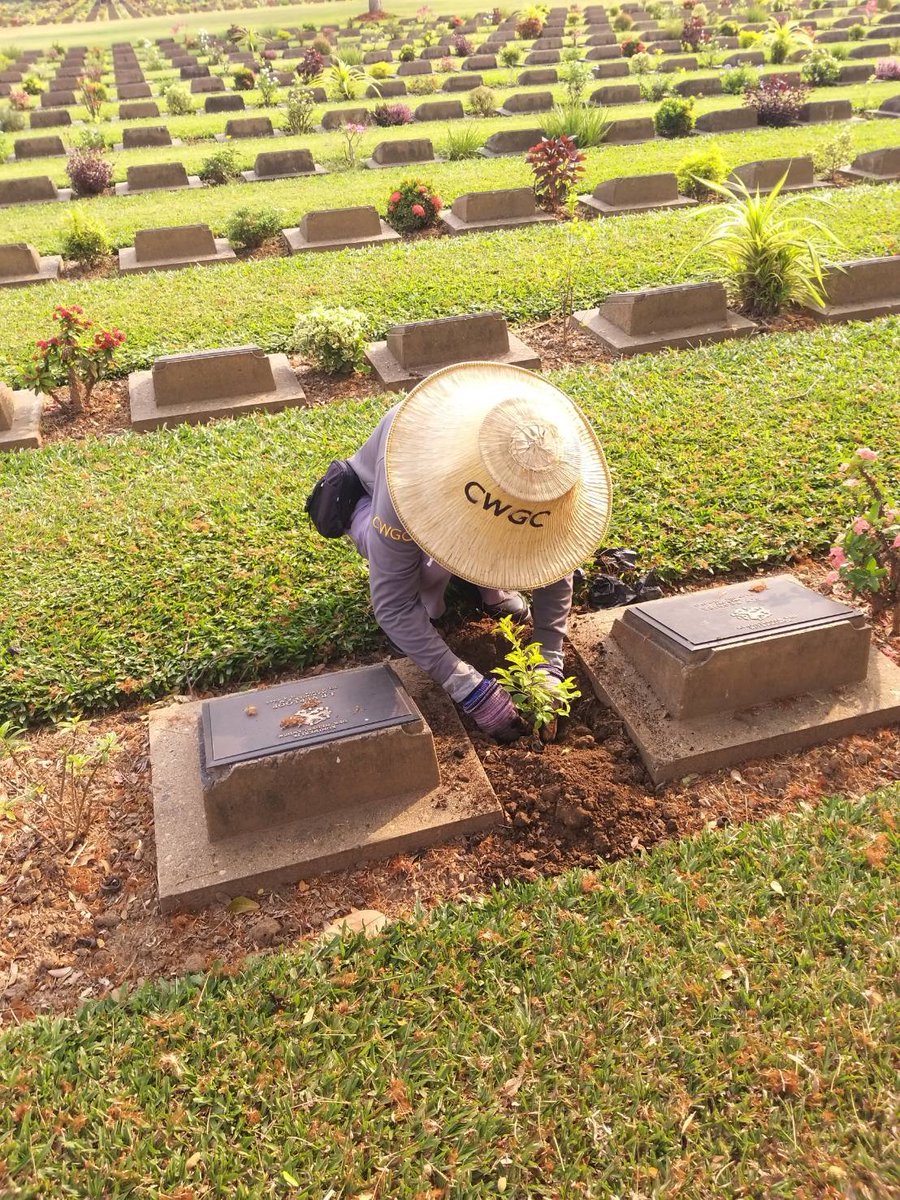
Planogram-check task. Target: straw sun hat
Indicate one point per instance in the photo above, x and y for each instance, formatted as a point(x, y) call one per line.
point(497, 475)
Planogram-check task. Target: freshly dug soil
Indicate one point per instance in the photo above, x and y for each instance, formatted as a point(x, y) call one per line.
point(85, 923)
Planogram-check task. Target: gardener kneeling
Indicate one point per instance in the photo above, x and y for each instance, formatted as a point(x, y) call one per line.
point(489, 473)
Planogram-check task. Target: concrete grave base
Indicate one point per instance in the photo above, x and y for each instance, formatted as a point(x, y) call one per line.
point(147, 414)
point(123, 189)
point(119, 146)
point(671, 749)
point(601, 208)
point(63, 195)
point(252, 177)
point(24, 432)
point(372, 165)
point(192, 871)
point(296, 243)
point(616, 341)
point(224, 137)
point(390, 372)
point(454, 224)
point(129, 265)
point(50, 265)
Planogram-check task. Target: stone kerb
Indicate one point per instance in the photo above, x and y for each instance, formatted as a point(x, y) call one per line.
point(220, 102)
point(616, 93)
point(386, 89)
point(49, 118)
point(21, 264)
point(601, 53)
point(58, 99)
point(413, 351)
point(212, 83)
point(192, 869)
point(282, 164)
point(611, 70)
point(462, 83)
point(826, 110)
point(537, 76)
point(137, 110)
point(705, 86)
point(248, 127)
point(139, 90)
point(501, 209)
point(861, 290)
point(510, 141)
point(418, 67)
point(337, 229)
point(140, 136)
point(764, 174)
point(630, 129)
point(677, 317)
point(50, 146)
point(526, 102)
point(400, 152)
point(334, 118)
point(20, 419)
point(31, 189)
point(542, 58)
point(480, 62)
point(726, 120)
point(875, 166)
point(154, 177)
point(678, 679)
point(889, 107)
point(173, 247)
point(197, 387)
point(635, 193)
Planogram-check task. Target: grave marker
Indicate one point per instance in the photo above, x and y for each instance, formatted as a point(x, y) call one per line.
point(224, 102)
point(510, 141)
point(338, 228)
point(247, 127)
point(138, 109)
point(39, 147)
point(152, 177)
point(526, 102)
point(764, 174)
point(20, 419)
point(501, 209)
point(168, 249)
point(401, 152)
point(635, 193)
point(860, 291)
point(875, 166)
point(31, 189)
point(140, 136)
point(21, 264)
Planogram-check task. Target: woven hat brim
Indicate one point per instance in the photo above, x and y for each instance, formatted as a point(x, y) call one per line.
point(447, 503)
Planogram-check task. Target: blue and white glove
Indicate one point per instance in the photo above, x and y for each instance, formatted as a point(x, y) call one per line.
point(493, 712)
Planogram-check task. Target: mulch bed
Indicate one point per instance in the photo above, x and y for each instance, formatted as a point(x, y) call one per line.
point(85, 923)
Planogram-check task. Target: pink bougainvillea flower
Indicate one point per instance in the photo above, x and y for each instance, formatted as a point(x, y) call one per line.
point(418, 210)
point(832, 577)
point(860, 525)
point(837, 556)
point(866, 454)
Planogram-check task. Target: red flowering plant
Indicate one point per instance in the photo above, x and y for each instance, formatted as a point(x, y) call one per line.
point(866, 556)
point(79, 351)
point(557, 164)
point(413, 206)
point(632, 46)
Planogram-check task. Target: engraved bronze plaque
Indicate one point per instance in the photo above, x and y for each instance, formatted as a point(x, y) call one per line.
point(308, 712)
point(739, 612)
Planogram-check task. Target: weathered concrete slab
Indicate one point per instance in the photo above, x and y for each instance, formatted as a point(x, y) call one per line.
point(678, 317)
point(510, 141)
point(174, 247)
point(526, 102)
point(861, 290)
point(282, 164)
point(50, 146)
point(156, 177)
point(418, 349)
point(198, 387)
point(20, 419)
point(875, 166)
point(672, 749)
point(765, 173)
point(635, 193)
point(31, 189)
point(506, 208)
point(400, 152)
point(21, 265)
point(338, 229)
point(192, 871)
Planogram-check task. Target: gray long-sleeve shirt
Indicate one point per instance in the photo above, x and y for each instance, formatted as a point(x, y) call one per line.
point(401, 575)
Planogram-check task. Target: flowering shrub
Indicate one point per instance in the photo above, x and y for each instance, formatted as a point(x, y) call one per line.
point(529, 27)
point(462, 46)
point(777, 102)
point(456, 22)
point(821, 69)
point(178, 100)
point(248, 228)
point(866, 557)
point(93, 96)
point(675, 117)
point(557, 164)
point(885, 68)
point(267, 82)
point(299, 110)
point(622, 21)
point(694, 33)
point(414, 205)
point(19, 99)
point(89, 172)
point(334, 339)
point(220, 167)
point(392, 114)
point(83, 354)
point(244, 79)
point(311, 65)
point(352, 134)
point(632, 46)
point(33, 85)
point(736, 80)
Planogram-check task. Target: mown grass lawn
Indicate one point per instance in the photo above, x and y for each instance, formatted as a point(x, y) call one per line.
point(523, 273)
point(133, 566)
point(715, 1019)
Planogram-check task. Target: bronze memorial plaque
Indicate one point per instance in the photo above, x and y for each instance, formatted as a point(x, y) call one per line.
point(736, 614)
point(257, 724)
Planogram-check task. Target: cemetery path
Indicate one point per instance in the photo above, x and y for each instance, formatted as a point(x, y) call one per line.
point(82, 924)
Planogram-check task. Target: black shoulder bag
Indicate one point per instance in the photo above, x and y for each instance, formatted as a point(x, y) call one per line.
point(331, 503)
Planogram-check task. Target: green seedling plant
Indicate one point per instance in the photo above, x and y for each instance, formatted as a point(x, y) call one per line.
point(538, 701)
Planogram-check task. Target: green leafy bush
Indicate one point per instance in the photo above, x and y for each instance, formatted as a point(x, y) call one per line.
point(527, 683)
point(406, 53)
point(178, 100)
point(511, 55)
point(414, 205)
point(91, 138)
point(220, 167)
point(85, 240)
point(654, 87)
point(11, 119)
point(821, 69)
point(699, 168)
point(247, 228)
point(736, 80)
point(834, 154)
point(481, 102)
point(299, 106)
point(244, 79)
point(675, 117)
point(335, 339)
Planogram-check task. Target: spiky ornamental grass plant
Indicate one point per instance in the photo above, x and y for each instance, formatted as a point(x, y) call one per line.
point(586, 124)
point(769, 253)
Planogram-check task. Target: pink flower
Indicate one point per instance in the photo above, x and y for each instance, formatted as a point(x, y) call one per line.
point(417, 210)
point(837, 556)
point(437, 202)
point(860, 525)
point(395, 196)
point(895, 544)
point(866, 454)
point(851, 483)
point(832, 577)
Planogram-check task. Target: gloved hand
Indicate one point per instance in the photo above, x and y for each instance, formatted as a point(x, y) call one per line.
point(493, 712)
